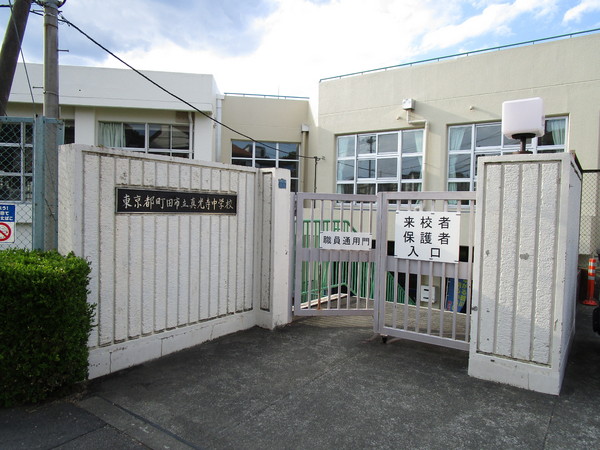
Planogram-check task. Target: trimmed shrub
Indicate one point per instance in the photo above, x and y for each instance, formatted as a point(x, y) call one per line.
point(45, 322)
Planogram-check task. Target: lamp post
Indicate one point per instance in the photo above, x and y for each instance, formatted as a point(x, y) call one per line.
point(523, 119)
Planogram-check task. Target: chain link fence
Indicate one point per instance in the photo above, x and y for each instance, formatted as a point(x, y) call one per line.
point(589, 235)
point(28, 179)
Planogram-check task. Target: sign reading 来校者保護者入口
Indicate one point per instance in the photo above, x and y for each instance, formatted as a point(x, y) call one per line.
point(428, 236)
point(136, 200)
point(7, 223)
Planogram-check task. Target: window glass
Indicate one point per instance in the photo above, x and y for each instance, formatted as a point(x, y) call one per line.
point(242, 162)
point(241, 149)
point(69, 132)
point(488, 135)
point(411, 167)
point(265, 163)
point(265, 150)
point(460, 138)
point(268, 155)
point(346, 146)
point(366, 144)
point(10, 159)
point(387, 187)
point(364, 188)
point(555, 132)
point(463, 154)
point(382, 158)
point(135, 135)
point(459, 166)
point(412, 141)
point(288, 151)
point(291, 166)
point(387, 168)
point(345, 189)
point(366, 168)
point(10, 133)
point(387, 143)
point(455, 186)
point(345, 170)
point(180, 137)
point(10, 188)
point(159, 136)
point(411, 187)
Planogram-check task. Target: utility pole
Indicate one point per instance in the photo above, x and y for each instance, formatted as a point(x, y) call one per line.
point(51, 109)
point(48, 138)
point(9, 55)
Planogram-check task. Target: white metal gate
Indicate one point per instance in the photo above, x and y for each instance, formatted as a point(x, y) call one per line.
point(333, 281)
point(423, 300)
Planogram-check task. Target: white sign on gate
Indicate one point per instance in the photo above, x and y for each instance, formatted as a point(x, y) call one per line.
point(427, 236)
point(349, 240)
point(7, 224)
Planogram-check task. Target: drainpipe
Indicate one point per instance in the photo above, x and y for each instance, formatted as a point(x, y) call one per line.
point(219, 129)
point(304, 151)
point(425, 124)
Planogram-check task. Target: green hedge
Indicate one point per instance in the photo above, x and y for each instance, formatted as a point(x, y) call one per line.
point(45, 322)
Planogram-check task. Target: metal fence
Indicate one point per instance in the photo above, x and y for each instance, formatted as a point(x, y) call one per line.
point(589, 234)
point(29, 178)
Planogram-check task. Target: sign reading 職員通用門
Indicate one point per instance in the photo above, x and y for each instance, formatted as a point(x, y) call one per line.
point(135, 200)
point(428, 236)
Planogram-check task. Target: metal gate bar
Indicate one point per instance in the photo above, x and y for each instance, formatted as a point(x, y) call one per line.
point(333, 282)
point(442, 321)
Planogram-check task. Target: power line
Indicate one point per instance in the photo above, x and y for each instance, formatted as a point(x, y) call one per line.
point(150, 80)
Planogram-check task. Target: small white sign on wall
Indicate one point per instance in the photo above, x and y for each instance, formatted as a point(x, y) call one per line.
point(427, 236)
point(349, 240)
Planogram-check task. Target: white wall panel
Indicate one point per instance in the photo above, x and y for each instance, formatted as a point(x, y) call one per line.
point(525, 269)
point(162, 282)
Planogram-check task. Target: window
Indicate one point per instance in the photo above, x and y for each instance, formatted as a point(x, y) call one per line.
point(159, 139)
point(16, 161)
point(466, 143)
point(375, 162)
point(267, 154)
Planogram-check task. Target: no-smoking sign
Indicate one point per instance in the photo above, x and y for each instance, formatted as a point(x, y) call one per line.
point(7, 224)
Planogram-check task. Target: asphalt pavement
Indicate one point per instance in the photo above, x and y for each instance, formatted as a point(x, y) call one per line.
point(318, 383)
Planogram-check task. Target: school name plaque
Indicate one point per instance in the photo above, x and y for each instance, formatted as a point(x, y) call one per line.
point(131, 201)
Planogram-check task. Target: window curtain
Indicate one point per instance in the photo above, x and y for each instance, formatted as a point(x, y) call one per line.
point(557, 128)
point(111, 134)
point(456, 138)
point(419, 141)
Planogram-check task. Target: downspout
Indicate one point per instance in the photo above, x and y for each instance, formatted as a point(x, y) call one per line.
point(218, 128)
point(304, 151)
point(425, 124)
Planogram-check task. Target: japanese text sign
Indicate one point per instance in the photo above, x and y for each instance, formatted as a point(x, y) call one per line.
point(338, 240)
point(131, 200)
point(7, 223)
point(427, 236)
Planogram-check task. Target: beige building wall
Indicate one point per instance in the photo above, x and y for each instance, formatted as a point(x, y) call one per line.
point(267, 119)
point(471, 89)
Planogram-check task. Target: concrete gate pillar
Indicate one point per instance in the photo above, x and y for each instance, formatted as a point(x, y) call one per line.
point(525, 269)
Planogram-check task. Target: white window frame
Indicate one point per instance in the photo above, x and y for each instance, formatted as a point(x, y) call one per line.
point(507, 146)
point(181, 153)
point(356, 184)
point(279, 159)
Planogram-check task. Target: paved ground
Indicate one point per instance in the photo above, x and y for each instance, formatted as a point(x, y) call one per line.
point(316, 384)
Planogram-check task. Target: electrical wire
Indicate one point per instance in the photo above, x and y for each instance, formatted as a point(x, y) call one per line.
point(150, 80)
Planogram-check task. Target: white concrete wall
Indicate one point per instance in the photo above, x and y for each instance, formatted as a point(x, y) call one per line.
point(164, 282)
point(525, 269)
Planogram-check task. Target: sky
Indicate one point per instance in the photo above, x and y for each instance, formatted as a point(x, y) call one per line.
point(284, 47)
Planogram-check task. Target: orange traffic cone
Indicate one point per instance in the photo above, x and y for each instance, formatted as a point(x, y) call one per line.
point(591, 283)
